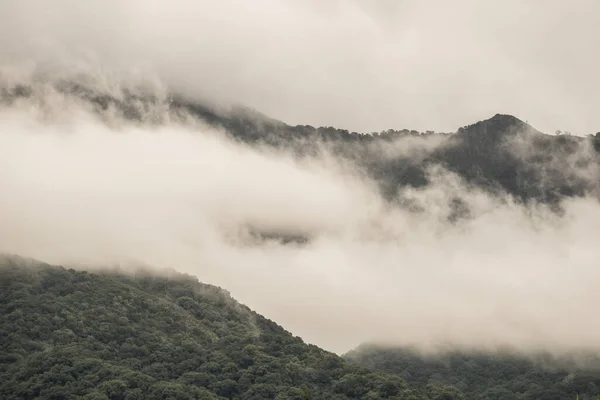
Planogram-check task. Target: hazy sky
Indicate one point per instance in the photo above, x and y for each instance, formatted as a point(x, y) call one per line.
point(358, 64)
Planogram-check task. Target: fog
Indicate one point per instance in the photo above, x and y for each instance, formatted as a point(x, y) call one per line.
point(79, 188)
point(362, 65)
point(88, 189)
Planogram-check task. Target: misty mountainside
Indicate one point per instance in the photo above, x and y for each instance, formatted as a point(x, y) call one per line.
point(483, 235)
point(502, 154)
point(498, 375)
point(488, 154)
point(67, 334)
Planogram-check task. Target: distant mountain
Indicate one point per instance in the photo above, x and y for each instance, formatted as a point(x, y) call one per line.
point(502, 155)
point(68, 334)
point(502, 375)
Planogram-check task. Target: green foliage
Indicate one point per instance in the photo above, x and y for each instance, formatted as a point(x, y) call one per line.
point(506, 375)
point(68, 334)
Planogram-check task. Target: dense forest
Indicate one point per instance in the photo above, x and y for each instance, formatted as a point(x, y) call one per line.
point(499, 375)
point(67, 334)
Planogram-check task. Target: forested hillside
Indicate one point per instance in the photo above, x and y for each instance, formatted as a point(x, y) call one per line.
point(502, 375)
point(70, 334)
point(67, 334)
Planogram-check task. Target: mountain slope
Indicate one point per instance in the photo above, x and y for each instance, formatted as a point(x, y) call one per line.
point(68, 334)
point(503, 375)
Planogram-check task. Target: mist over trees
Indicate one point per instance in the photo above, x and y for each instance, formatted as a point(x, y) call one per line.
point(71, 334)
point(502, 154)
point(299, 200)
point(504, 374)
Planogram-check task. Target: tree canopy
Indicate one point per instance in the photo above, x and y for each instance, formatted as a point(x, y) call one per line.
point(67, 334)
point(499, 375)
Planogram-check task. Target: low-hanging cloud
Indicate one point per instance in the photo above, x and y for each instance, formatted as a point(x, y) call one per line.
point(81, 189)
point(363, 65)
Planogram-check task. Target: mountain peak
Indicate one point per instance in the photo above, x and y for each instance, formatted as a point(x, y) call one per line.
point(497, 127)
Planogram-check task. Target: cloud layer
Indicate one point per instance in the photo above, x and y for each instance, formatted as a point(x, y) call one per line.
point(78, 190)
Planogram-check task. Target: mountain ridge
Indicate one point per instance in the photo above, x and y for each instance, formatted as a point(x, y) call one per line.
point(122, 98)
point(502, 154)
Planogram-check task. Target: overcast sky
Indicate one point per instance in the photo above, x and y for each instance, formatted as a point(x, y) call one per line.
point(362, 65)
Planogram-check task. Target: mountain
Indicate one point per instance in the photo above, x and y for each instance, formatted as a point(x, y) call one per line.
point(67, 334)
point(509, 154)
point(502, 155)
point(497, 375)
